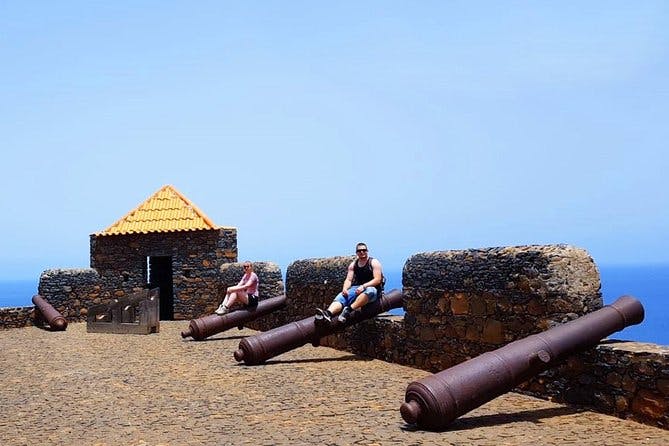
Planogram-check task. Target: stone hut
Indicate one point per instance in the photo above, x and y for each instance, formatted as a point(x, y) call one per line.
point(169, 243)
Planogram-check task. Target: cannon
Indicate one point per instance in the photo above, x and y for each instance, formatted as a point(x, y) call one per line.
point(212, 324)
point(53, 318)
point(257, 349)
point(436, 400)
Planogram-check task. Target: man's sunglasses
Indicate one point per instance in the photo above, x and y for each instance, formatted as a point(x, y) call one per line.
point(360, 250)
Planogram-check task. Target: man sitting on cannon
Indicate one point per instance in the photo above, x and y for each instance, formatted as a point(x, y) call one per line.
point(363, 285)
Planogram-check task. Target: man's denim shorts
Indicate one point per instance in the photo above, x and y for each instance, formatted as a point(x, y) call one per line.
point(370, 291)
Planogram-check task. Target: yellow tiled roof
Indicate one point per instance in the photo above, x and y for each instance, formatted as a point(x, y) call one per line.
point(165, 211)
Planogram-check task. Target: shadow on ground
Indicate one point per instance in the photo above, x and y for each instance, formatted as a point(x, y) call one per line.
point(311, 360)
point(474, 422)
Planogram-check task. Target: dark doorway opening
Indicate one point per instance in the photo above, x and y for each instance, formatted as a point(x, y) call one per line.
point(160, 276)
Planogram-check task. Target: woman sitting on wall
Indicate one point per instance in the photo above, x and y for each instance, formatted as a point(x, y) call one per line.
point(246, 291)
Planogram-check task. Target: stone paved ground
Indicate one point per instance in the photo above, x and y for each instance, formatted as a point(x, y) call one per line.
point(72, 387)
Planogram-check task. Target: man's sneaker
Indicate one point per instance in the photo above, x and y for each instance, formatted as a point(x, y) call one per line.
point(345, 314)
point(323, 316)
point(221, 310)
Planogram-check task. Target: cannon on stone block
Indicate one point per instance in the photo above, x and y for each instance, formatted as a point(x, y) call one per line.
point(51, 316)
point(212, 324)
point(138, 313)
point(258, 348)
point(436, 400)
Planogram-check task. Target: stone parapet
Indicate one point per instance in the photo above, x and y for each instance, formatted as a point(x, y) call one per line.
point(464, 303)
point(622, 378)
point(17, 317)
point(72, 291)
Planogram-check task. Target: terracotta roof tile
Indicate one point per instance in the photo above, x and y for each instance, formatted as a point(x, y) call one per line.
point(167, 210)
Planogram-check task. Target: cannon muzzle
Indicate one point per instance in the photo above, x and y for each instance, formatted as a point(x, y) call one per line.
point(53, 318)
point(212, 324)
point(436, 400)
point(257, 349)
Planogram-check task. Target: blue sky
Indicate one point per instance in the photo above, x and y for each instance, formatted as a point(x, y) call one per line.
point(309, 126)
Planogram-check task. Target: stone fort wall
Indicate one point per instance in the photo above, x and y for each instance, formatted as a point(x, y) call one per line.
point(458, 305)
point(73, 291)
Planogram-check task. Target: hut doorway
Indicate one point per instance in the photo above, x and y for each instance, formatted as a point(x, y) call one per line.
point(160, 276)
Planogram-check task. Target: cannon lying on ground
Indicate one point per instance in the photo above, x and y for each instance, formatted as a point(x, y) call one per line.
point(206, 326)
point(435, 401)
point(50, 315)
point(257, 349)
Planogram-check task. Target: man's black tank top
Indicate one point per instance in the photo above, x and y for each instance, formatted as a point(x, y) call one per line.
point(362, 274)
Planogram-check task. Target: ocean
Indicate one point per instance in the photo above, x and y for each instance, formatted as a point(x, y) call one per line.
point(648, 283)
point(17, 293)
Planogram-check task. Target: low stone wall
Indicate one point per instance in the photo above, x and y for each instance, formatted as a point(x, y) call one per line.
point(73, 291)
point(70, 291)
point(626, 379)
point(17, 317)
point(459, 304)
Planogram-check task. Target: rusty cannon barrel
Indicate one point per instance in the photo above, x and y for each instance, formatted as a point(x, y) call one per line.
point(53, 318)
point(436, 400)
point(257, 349)
point(210, 325)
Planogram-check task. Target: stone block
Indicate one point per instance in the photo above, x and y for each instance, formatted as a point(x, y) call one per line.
point(614, 379)
point(443, 304)
point(621, 404)
point(459, 304)
point(663, 386)
point(650, 404)
point(472, 333)
point(536, 308)
point(628, 384)
point(493, 332)
point(477, 306)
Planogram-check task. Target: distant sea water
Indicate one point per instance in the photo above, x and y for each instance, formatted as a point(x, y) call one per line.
point(17, 293)
point(648, 283)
